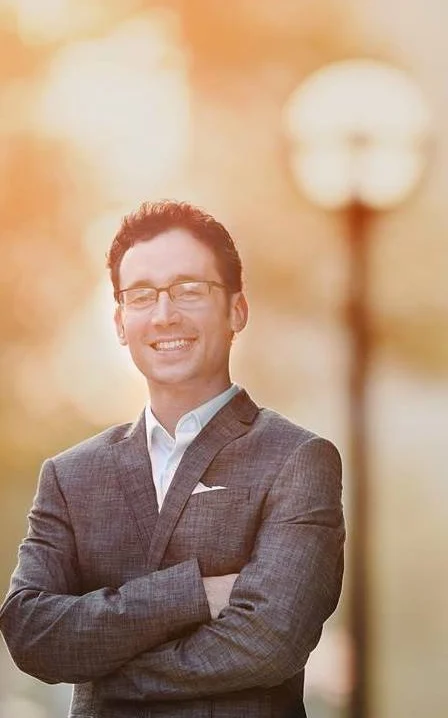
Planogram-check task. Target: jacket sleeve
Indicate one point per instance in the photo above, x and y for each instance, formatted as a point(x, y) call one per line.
point(278, 604)
point(56, 633)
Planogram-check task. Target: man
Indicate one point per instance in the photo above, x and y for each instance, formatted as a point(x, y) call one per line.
point(182, 566)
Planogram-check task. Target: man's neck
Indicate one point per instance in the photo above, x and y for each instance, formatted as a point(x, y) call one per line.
point(169, 404)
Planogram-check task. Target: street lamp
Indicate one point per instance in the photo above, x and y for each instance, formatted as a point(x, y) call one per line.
point(358, 135)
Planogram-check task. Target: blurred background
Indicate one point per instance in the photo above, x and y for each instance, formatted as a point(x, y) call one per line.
point(104, 105)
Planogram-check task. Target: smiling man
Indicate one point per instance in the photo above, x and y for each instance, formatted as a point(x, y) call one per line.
point(184, 565)
point(178, 318)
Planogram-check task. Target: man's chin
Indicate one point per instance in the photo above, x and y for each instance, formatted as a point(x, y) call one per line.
point(169, 377)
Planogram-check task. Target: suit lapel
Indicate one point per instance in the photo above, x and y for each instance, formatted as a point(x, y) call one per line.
point(133, 470)
point(231, 422)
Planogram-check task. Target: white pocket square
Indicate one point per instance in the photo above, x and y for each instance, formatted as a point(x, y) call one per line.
point(200, 488)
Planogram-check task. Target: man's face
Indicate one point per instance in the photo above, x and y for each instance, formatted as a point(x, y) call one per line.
point(186, 348)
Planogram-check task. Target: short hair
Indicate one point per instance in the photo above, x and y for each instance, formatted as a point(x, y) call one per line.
point(153, 218)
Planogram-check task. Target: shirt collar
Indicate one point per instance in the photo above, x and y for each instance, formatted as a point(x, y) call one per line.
point(193, 421)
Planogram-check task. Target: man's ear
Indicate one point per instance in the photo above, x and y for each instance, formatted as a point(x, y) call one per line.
point(239, 312)
point(119, 327)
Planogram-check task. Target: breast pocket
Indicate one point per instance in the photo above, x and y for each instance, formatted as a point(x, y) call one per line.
point(218, 528)
point(218, 497)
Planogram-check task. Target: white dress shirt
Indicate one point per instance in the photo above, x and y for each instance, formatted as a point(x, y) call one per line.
point(165, 451)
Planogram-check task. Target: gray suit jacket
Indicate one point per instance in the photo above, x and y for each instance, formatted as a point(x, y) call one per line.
point(108, 593)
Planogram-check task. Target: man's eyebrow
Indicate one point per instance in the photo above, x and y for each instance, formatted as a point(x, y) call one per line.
point(174, 280)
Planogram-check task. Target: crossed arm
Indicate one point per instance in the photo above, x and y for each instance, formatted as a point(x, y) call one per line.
point(57, 633)
point(278, 604)
point(128, 639)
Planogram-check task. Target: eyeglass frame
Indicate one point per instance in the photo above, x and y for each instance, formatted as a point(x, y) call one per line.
point(208, 282)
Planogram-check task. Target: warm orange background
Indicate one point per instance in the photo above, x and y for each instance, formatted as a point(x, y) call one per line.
point(106, 104)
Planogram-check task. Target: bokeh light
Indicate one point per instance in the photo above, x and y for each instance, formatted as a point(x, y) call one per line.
point(46, 21)
point(358, 130)
point(123, 101)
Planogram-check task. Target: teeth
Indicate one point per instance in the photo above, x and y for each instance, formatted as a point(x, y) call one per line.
point(172, 345)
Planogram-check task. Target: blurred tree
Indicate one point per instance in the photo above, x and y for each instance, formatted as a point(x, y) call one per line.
point(45, 201)
point(43, 274)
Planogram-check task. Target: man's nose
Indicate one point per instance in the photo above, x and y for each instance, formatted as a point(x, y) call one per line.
point(164, 311)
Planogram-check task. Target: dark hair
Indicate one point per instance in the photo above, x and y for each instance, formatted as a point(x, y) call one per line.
point(152, 218)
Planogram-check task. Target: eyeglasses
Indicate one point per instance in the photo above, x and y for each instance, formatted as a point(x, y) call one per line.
point(182, 294)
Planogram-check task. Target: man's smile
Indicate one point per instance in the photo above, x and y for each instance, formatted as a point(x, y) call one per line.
point(169, 345)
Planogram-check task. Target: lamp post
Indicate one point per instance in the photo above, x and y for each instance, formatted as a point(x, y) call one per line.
point(358, 132)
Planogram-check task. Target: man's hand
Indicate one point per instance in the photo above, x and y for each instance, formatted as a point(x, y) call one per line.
point(218, 590)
